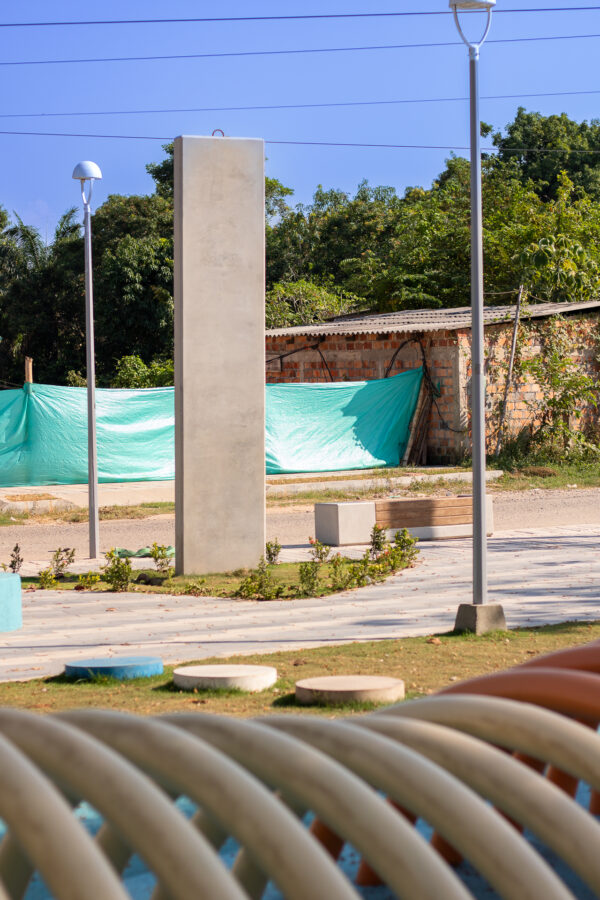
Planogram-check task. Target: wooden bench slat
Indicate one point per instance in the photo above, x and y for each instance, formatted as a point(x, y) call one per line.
point(402, 521)
point(412, 511)
point(429, 502)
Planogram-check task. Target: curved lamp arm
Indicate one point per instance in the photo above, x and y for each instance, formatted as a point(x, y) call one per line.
point(473, 45)
point(86, 200)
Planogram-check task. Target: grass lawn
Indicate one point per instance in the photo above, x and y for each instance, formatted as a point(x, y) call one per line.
point(424, 665)
point(142, 511)
point(369, 474)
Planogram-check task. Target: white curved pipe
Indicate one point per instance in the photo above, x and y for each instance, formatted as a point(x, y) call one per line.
point(428, 791)
point(518, 726)
point(141, 812)
point(353, 810)
point(225, 790)
point(522, 794)
point(43, 824)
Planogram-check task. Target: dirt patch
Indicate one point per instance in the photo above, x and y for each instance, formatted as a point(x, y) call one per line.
point(25, 498)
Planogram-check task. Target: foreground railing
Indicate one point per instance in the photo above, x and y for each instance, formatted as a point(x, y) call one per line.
point(293, 790)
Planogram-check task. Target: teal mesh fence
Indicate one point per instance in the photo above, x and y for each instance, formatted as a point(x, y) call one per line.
point(309, 428)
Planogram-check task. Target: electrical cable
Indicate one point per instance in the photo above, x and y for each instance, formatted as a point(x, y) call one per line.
point(290, 18)
point(277, 106)
point(146, 137)
point(299, 51)
point(424, 147)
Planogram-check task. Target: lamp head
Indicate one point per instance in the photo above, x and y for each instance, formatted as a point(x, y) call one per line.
point(87, 171)
point(472, 4)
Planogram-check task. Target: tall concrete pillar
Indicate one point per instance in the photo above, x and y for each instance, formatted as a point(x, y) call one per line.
point(219, 354)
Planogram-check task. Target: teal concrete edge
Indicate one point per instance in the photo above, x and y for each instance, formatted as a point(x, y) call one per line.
point(10, 602)
point(121, 667)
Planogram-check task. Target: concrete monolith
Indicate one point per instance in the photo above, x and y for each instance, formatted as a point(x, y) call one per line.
point(219, 353)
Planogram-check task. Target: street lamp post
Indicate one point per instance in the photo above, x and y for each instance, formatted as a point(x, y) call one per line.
point(90, 172)
point(477, 322)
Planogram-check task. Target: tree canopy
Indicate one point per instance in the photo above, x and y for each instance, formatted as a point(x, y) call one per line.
point(342, 252)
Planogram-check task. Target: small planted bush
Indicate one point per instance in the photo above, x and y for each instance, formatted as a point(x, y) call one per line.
point(117, 571)
point(308, 573)
point(260, 584)
point(87, 581)
point(162, 560)
point(16, 560)
point(47, 578)
point(60, 561)
point(378, 540)
point(272, 551)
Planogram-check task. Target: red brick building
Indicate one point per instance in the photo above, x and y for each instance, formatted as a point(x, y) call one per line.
point(364, 347)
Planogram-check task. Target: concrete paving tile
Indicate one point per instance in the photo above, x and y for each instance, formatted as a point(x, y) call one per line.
point(539, 575)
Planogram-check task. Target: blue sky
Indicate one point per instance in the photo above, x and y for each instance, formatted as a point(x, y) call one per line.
point(36, 174)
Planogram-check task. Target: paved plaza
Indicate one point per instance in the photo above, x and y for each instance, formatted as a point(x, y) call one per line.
point(539, 575)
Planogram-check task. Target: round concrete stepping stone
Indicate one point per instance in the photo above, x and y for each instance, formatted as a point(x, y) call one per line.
point(244, 678)
point(349, 689)
point(121, 667)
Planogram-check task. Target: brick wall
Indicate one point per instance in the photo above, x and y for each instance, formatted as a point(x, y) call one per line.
point(582, 333)
point(367, 356)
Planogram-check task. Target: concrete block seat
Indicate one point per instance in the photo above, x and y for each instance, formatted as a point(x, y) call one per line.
point(10, 602)
point(429, 518)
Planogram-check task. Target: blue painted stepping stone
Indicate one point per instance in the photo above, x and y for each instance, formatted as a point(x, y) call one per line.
point(121, 667)
point(10, 602)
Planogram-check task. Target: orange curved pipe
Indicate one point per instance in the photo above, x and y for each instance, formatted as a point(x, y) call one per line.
point(331, 841)
point(585, 658)
point(572, 693)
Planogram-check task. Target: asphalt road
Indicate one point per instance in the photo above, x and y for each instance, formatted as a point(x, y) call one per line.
point(292, 525)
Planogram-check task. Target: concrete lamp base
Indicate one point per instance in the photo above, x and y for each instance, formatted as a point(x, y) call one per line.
point(480, 618)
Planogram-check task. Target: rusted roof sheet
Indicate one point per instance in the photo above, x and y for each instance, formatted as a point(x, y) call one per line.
point(412, 320)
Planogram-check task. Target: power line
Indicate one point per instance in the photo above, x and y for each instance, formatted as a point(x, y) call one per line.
point(242, 53)
point(351, 144)
point(277, 106)
point(429, 147)
point(291, 18)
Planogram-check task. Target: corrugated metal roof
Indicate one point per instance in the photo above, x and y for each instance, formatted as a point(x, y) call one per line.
point(426, 319)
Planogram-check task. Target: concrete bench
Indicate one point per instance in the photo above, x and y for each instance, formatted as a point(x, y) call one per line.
point(429, 519)
point(10, 602)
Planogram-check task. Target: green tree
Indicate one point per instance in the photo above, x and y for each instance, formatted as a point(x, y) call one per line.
point(304, 302)
point(544, 146)
point(134, 307)
point(132, 372)
point(42, 291)
point(41, 302)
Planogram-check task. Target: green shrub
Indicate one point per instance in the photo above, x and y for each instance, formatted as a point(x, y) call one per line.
point(272, 551)
point(319, 552)
point(344, 573)
point(117, 571)
point(161, 560)
point(340, 577)
point(87, 581)
point(309, 577)
point(16, 560)
point(260, 584)
point(47, 578)
point(378, 540)
point(60, 561)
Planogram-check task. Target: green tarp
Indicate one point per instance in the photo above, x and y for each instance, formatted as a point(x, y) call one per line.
point(309, 428)
point(43, 435)
point(341, 425)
